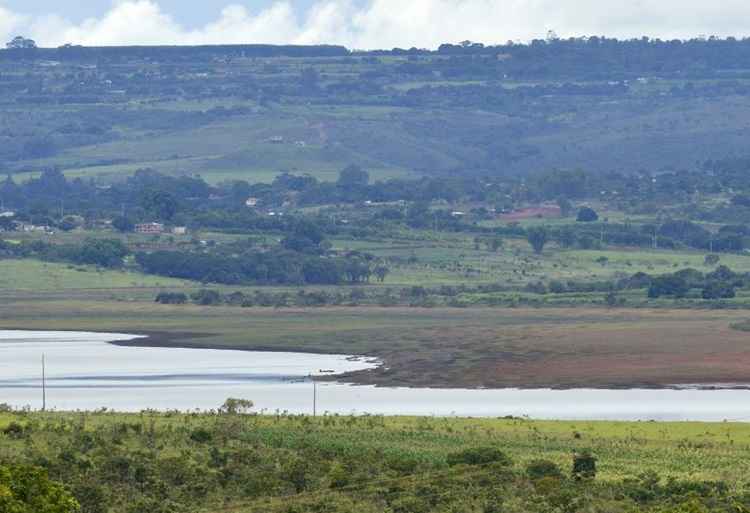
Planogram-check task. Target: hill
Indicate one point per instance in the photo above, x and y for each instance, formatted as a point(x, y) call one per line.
point(251, 111)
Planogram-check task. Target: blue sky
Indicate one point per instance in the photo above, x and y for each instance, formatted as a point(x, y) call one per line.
point(189, 13)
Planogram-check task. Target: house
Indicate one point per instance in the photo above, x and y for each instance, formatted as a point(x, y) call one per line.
point(152, 228)
point(251, 202)
point(179, 230)
point(7, 214)
point(29, 228)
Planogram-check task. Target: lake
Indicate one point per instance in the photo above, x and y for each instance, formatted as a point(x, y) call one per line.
point(85, 372)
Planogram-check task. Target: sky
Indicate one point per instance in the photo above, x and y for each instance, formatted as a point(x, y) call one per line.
point(362, 24)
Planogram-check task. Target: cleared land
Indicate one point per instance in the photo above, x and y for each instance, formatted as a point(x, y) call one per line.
point(583, 347)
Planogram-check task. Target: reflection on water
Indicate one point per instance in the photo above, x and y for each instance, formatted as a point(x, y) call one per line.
point(84, 372)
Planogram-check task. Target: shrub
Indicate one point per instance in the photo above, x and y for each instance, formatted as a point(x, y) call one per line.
point(14, 430)
point(25, 489)
point(478, 456)
point(236, 406)
point(584, 465)
point(171, 298)
point(711, 260)
point(587, 215)
point(539, 469)
point(207, 297)
point(201, 435)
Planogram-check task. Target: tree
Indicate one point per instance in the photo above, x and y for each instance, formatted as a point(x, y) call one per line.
point(236, 406)
point(537, 237)
point(67, 224)
point(206, 297)
point(123, 224)
point(26, 489)
point(718, 290)
point(353, 176)
point(668, 285)
point(381, 272)
point(21, 43)
point(587, 215)
point(101, 252)
point(566, 207)
point(161, 204)
point(711, 260)
point(566, 238)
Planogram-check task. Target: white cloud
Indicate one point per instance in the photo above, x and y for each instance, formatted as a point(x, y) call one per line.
point(9, 23)
point(389, 23)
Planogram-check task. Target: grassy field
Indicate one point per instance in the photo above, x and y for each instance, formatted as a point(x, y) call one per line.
point(441, 347)
point(450, 259)
point(39, 276)
point(215, 463)
point(678, 449)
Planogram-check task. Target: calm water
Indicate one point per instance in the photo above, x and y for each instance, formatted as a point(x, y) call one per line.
point(85, 372)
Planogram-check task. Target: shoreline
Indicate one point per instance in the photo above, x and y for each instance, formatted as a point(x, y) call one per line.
point(166, 339)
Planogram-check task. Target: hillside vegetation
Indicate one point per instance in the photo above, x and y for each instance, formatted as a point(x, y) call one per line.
point(164, 463)
point(251, 111)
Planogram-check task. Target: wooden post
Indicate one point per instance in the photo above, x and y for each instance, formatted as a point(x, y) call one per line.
point(44, 384)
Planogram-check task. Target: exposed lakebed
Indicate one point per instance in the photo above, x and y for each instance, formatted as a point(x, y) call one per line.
point(86, 372)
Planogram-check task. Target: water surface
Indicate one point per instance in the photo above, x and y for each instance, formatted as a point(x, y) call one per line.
point(86, 372)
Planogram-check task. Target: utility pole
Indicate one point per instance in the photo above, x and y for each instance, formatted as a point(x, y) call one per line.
point(315, 395)
point(44, 384)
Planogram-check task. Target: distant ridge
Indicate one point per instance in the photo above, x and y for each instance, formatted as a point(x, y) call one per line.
point(78, 53)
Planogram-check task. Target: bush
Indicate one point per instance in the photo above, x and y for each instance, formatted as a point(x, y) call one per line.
point(584, 465)
point(668, 285)
point(25, 489)
point(479, 456)
point(171, 298)
point(14, 430)
point(201, 435)
point(587, 215)
point(539, 469)
point(718, 290)
point(711, 260)
point(207, 297)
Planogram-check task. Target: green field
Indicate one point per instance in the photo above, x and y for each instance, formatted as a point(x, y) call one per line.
point(450, 259)
point(207, 463)
point(37, 276)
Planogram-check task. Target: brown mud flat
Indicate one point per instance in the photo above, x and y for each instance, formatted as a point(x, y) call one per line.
point(448, 348)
